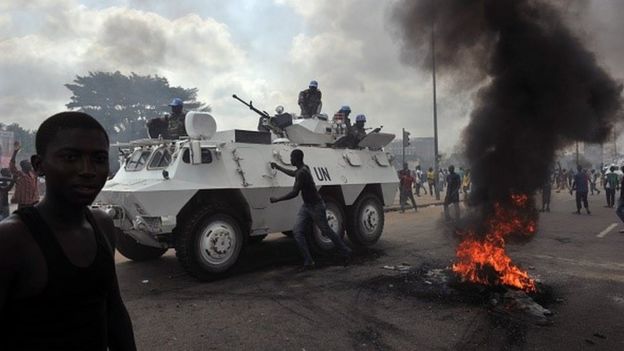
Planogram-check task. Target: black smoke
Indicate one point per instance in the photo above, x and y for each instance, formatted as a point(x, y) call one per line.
point(542, 89)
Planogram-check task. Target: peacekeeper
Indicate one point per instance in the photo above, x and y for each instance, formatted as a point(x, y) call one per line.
point(171, 126)
point(310, 100)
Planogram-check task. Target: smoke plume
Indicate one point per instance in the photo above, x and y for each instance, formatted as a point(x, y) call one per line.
point(543, 89)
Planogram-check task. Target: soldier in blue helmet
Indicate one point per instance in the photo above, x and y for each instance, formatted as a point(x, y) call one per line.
point(171, 126)
point(310, 100)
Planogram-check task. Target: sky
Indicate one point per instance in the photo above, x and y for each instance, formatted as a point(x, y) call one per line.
point(266, 51)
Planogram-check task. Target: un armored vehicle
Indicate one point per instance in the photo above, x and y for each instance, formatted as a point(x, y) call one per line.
point(207, 196)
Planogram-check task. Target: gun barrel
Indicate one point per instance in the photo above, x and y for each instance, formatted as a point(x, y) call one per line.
point(251, 107)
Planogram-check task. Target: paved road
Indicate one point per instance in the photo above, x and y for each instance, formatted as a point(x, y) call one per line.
point(265, 305)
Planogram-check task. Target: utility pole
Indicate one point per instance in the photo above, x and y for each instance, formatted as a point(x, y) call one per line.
point(436, 162)
point(577, 154)
point(403, 142)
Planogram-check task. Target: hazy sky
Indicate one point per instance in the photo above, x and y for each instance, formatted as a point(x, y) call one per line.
point(266, 51)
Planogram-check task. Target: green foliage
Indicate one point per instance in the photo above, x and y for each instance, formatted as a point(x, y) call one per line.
point(123, 104)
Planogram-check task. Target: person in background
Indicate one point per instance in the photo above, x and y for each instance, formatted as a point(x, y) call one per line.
point(593, 179)
point(466, 183)
point(419, 178)
point(26, 192)
point(611, 184)
point(546, 193)
point(453, 184)
point(406, 180)
point(620, 209)
point(431, 180)
point(310, 100)
point(581, 185)
point(6, 184)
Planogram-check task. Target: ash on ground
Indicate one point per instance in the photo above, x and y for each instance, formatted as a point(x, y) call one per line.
point(442, 285)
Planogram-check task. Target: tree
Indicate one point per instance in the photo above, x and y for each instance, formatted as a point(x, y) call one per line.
point(123, 103)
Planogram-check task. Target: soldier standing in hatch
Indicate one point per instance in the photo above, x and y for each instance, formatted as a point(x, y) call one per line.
point(171, 126)
point(313, 209)
point(310, 100)
point(175, 120)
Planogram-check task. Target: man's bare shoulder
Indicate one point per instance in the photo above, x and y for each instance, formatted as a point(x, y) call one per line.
point(105, 223)
point(14, 237)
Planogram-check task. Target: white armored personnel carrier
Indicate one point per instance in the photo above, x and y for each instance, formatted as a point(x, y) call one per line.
point(207, 196)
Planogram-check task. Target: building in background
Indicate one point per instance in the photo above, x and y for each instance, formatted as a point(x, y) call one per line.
point(419, 152)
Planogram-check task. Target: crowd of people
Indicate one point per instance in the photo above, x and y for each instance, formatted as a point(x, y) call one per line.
point(448, 181)
point(583, 182)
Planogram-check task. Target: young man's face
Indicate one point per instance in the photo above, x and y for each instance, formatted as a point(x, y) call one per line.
point(75, 165)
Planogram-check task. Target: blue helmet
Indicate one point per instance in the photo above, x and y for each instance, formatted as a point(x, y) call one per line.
point(345, 108)
point(176, 102)
point(313, 84)
point(360, 118)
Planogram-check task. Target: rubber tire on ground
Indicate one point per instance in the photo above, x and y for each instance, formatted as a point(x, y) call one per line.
point(319, 244)
point(130, 248)
point(366, 231)
point(256, 239)
point(188, 250)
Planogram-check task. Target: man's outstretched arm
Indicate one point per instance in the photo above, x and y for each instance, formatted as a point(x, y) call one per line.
point(286, 171)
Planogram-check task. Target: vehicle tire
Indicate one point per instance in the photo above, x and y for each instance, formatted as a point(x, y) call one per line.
point(319, 243)
point(130, 248)
point(256, 239)
point(209, 243)
point(366, 220)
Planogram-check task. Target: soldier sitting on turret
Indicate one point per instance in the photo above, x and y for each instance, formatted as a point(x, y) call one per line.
point(310, 100)
point(171, 126)
point(355, 134)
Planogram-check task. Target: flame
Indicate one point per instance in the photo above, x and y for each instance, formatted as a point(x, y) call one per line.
point(482, 258)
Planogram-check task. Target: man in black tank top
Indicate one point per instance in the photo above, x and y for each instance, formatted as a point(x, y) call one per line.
point(313, 209)
point(58, 286)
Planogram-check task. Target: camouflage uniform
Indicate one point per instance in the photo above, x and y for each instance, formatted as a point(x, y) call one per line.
point(310, 102)
point(175, 126)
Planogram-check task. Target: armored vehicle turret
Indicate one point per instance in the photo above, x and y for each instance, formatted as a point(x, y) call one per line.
point(207, 195)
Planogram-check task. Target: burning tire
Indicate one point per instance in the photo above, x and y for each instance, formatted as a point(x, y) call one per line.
point(209, 243)
point(366, 220)
point(130, 248)
point(320, 243)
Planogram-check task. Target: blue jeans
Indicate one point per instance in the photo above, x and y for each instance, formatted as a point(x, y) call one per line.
point(315, 214)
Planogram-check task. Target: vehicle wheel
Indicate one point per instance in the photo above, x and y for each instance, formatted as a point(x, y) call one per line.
point(366, 220)
point(130, 248)
point(209, 243)
point(256, 239)
point(320, 243)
